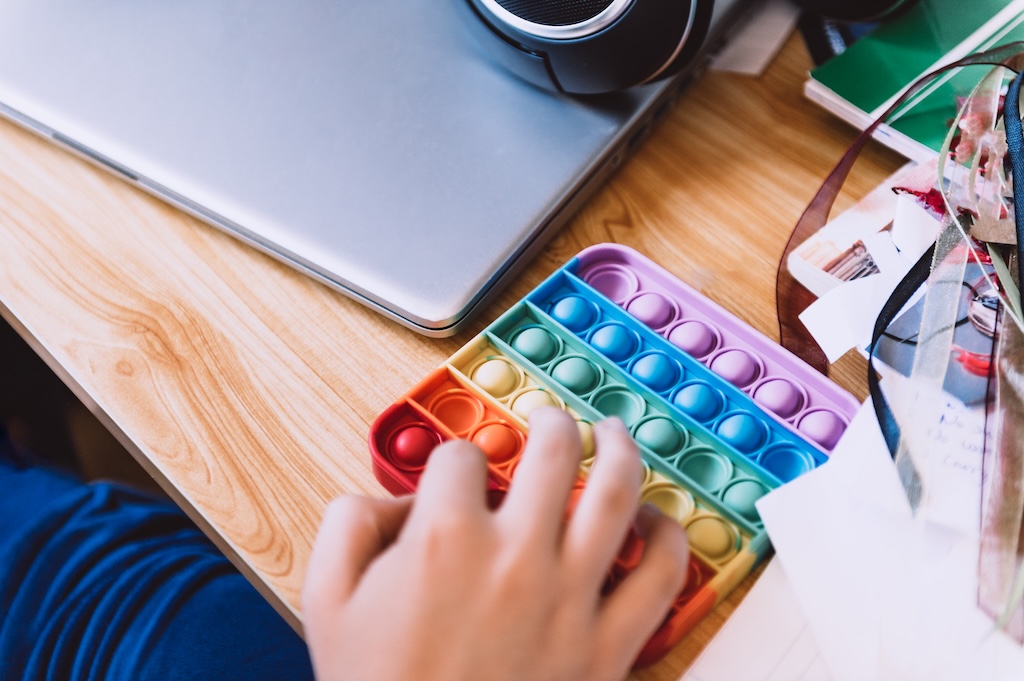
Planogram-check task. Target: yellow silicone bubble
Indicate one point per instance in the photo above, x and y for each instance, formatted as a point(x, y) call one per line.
point(527, 401)
point(713, 537)
point(671, 500)
point(497, 377)
point(586, 442)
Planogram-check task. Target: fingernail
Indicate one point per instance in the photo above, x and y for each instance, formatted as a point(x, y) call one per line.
point(612, 424)
point(645, 516)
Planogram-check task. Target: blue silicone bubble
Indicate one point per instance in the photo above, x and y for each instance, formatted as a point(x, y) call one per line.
point(574, 313)
point(614, 341)
point(656, 371)
point(536, 344)
point(699, 401)
point(576, 373)
point(743, 431)
point(661, 435)
point(786, 463)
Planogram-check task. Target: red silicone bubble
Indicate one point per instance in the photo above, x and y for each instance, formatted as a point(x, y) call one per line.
point(410, 446)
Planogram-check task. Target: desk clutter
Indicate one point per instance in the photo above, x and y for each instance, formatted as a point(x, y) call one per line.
point(720, 413)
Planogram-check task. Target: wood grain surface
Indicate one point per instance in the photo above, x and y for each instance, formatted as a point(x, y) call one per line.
point(247, 390)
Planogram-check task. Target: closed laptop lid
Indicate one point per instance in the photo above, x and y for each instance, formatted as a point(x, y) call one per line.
point(369, 143)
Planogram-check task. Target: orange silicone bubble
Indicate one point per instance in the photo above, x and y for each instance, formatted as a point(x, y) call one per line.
point(499, 441)
point(457, 409)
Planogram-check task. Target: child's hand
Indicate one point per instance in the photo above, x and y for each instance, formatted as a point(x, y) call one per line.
point(448, 590)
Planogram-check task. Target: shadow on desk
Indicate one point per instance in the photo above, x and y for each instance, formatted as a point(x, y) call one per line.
point(41, 414)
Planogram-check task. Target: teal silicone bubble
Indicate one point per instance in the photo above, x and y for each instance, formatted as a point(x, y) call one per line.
point(614, 341)
point(785, 463)
point(740, 496)
point(706, 467)
point(536, 344)
point(577, 373)
point(655, 370)
point(575, 313)
point(613, 400)
point(661, 435)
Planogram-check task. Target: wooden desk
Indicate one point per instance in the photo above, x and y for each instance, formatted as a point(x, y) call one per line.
point(247, 390)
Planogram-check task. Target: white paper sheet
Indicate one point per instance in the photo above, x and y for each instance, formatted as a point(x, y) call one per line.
point(771, 631)
point(888, 596)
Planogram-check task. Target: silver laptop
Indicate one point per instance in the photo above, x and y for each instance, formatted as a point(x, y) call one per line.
point(369, 143)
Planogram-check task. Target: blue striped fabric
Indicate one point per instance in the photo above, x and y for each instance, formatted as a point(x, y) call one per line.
point(101, 582)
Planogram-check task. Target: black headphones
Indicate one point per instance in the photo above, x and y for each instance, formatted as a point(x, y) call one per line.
point(597, 46)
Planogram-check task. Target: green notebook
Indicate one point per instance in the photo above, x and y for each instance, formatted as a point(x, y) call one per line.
point(859, 84)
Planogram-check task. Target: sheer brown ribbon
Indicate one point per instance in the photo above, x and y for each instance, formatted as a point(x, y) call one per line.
point(791, 298)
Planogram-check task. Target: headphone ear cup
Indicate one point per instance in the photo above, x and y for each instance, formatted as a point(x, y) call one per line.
point(591, 46)
point(854, 10)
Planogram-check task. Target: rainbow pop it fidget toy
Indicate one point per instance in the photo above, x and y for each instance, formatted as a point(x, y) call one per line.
point(721, 414)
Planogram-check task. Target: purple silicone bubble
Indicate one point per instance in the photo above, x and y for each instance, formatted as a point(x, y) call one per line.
point(616, 282)
point(780, 396)
point(694, 337)
point(653, 309)
point(823, 426)
point(737, 366)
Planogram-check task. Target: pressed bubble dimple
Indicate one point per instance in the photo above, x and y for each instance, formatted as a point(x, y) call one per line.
point(457, 409)
point(674, 502)
point(712, 536)
point(614, 401)
point(786, 463)
point(707, 468)
point(615, 282)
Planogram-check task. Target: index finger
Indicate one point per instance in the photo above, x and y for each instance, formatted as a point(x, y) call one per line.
point(543, 480)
